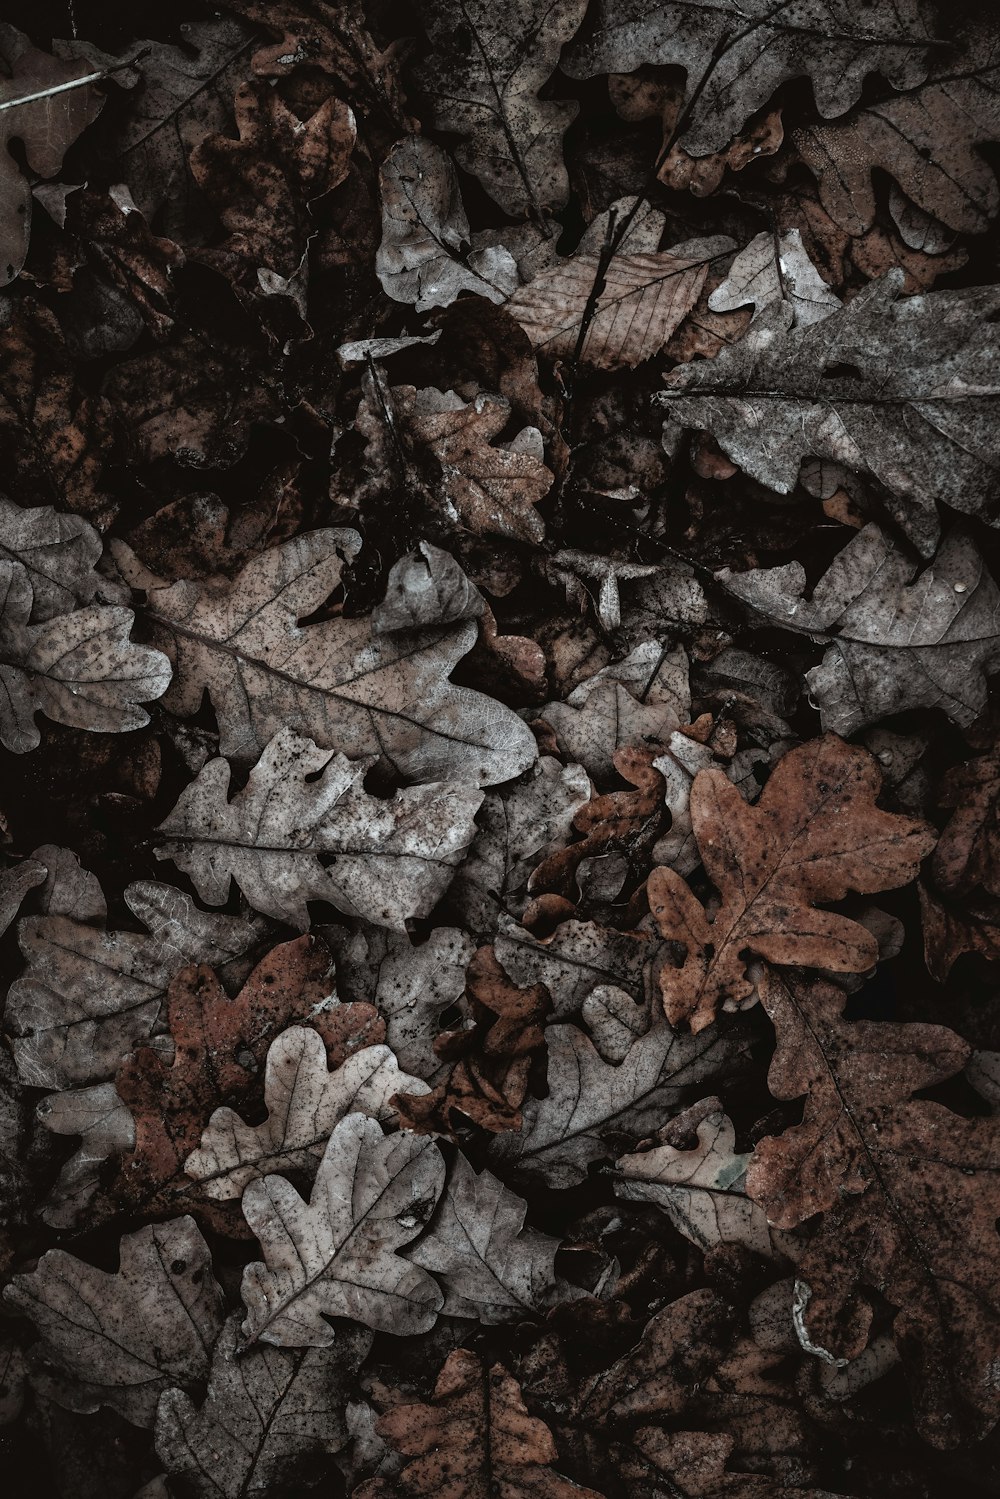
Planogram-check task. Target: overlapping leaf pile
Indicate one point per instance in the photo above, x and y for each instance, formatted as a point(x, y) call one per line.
point(500, 879)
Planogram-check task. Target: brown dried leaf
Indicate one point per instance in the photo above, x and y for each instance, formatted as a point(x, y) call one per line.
point(909, 1193)
point(815, 834)
point(476, 1439)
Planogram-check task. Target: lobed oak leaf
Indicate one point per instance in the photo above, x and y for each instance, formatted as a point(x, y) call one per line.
point(423, 258)
point(908, 1193)
point(776, 268)
point(269, 1417)
point(340, 681)
point(90, 996)
point(45, 116)
point(220, 1046)
point(121, 1338)
point(57, 551)
point(701, 1188)
point(968, 851)
point(593, 1106)
point(493, 1268)
point(15, 883)
point(735, 57)
point(105, 1127)
point(902, 389)
point(483, 80)
point(79, 668)
point(898, 638)
point(304, 828)
point(335, 1255)
point(576, 958)
point(927, 138)
point(304, 1102)
point(815, 834)
point(476, 1438)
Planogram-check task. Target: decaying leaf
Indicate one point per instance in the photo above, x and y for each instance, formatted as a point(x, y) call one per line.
point(815, 834)
point(423, 257)
point(776, 268)
point(304, 1102)
point(483, 79)
point(477, 1438)
point(387, 861)
point(493, 1268)
point(79, 668)
point(90, 996)
point(899, 638)
point(908, 1192)
point(592, 1103)
point(900, 388)
point(335, 1255)
point(742, 54)
point(338, 681)
point(121, 1338)
point(270, 1414)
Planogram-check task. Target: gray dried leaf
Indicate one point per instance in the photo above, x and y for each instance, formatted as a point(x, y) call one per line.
point(775, 268)
point(493, 1268)
point(106, 1128)
point(483, 79)
point(639, 702)
point(88, 996)
point(57, 551)
point(701, 1190)
point(425, 256)
point(269, 1417)
point(120, 1339)
point(305, 1100)
point(337, 680)
point(834, 43)
point(899, 638)
point(592, 1104)
point(15, 883)
point(79, 669)
point(335, 1255)
point(902, 389)
point(304, 828)
point(574, 960)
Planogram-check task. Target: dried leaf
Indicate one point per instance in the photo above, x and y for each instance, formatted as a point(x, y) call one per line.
point(269, 1417)
point(815, 834)
point(476, 1438)
point(304, 1102)
point(79, 669)
point(908, 1193)
point(335, 1255)
point(121, 1338)
point(386, 861)
point(900, 638)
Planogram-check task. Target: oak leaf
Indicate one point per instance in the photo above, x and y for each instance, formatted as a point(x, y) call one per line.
point(483, 79)
point(477, 1438)
point(898, 638)
point(79, 668)
point(57, 551)
point(576, 958)
point(492, 1267)
point(968, 851)
point(90, 996)
point(305, 1100)
point(304, 828)
point(343, 683)
point(268, 1418)
point(908, 1193)
point(335, 1255)
point(743, 53)
point(902, 389)
point(593, 1106)
point(815, 834)
point(120, 1338)
point(427, 256)
point(775, 268)
point(105, 1127)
